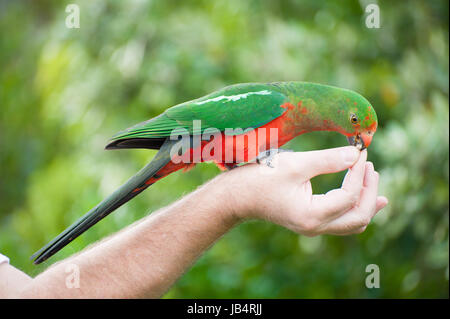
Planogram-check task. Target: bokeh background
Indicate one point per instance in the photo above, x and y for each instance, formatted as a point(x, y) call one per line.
point(65, 92)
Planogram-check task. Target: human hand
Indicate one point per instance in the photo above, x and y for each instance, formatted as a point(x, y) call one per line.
point(283, 194)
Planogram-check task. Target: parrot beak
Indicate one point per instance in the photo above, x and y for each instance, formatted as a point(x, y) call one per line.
point(356, 141)
point(366, 138)
point(361, 140)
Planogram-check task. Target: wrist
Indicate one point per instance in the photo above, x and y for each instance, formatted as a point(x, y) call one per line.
point(233, 193)
point(226, 206)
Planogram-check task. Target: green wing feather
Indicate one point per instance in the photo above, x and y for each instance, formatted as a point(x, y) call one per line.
point(248, 105)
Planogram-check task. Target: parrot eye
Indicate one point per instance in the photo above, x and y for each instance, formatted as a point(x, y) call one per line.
point(353, 119)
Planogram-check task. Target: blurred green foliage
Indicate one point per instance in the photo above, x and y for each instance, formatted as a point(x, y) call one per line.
point(64, 92)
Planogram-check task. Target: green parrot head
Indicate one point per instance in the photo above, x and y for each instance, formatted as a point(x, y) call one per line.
point(358, 118)
point(336, 109)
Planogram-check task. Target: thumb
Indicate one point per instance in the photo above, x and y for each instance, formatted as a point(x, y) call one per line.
point(328, 161)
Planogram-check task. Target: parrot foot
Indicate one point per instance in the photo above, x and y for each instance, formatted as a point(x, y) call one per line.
point(269, 155)
point(226, 166)
point(229, 167)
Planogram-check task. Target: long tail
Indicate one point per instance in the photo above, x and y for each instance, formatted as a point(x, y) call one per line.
point(135, 185)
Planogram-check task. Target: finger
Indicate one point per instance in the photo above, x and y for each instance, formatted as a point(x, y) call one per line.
point(368, 170)
point(340, 232)
point(337, 229)
point(346, 224)
point(326, 161)
point(381, 202)
point(361, 215)
point(368, 202)
point(338, 201)
point(353, 180)
point(332, 204)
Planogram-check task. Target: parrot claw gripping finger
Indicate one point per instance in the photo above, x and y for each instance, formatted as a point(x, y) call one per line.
point(229, 167)
point(269, 155)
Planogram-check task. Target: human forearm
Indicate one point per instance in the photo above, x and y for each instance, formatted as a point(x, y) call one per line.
point(146, 258)
point(12, 280)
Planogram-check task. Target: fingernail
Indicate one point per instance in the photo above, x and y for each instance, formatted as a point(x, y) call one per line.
point(349, 155)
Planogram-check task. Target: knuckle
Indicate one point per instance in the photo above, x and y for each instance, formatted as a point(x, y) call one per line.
point(310, 234)
point(329, 162)
point(364, 221)
point(309, 225)
point(352, 198)
point(361, 230)
point(377, 176)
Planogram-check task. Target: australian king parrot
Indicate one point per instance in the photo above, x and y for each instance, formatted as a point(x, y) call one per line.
point(237, 124)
